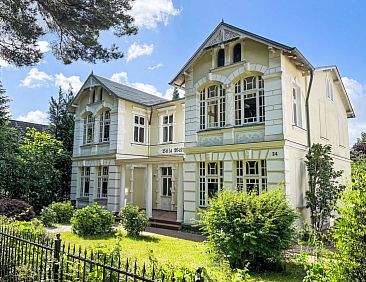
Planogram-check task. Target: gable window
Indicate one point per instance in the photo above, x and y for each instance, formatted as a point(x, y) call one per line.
point(139, 129)
point(167, 128)
point(211, 180)
point(212, 107)
point(102, 188)
point(221, 58)
point(249, 100)
point(166, 174)
point(85, 181)
point(105, 122)
point(296, 106)
point(330, 94)
point(251, 176)
point(237, 53)
point(88, 135)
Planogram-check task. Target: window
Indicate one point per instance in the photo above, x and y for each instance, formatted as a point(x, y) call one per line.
point(221, 58)
point(93, 95)
point(330, 94)
point(249, 100)
point(168, 128)
point(139, 129)
point(237, 53)
point(85, 181)
point(296, 105)
point(251, 176)
point(88, 129)
point(212, 107)
point(105, 122)
point(211, 180)
point(102, 188)
point(166, 174)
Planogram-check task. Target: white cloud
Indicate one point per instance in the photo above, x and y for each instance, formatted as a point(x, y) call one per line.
point(35, 117)
point(66, 82)
point(169, 93)
point(148, 13)
point(43, 46)
point(357, 94)
point(155, 67)
point(35, 78)
point(4, 64)
point(120, 77)
point(136, 50)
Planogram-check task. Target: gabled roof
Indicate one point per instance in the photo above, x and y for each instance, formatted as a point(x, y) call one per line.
point(120, 91)
point(224, 33)
point(23, 125)
point(334, 69)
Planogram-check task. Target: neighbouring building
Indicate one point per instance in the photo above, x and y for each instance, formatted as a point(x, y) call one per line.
point(251, 109)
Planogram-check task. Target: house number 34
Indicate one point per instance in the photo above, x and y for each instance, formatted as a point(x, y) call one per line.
point(274, 154)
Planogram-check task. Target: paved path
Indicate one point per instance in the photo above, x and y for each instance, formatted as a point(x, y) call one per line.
point(149, 231)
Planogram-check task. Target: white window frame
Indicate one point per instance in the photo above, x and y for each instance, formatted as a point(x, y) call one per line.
point(250, 172)
point(105, 126)
point(88, 125)
point(248, 88)
point(84, 179)
point(166, 179)
point(169, 127)
point(296, 106)
point(102, 179)
point(139, 127)
point(329, 88)
point(209, 174)
point(212, 95)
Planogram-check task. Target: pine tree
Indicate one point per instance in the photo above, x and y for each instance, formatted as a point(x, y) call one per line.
point(175, 94)
point(4, 107)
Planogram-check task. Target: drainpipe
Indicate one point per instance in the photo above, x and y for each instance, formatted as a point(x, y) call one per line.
point(307, 106)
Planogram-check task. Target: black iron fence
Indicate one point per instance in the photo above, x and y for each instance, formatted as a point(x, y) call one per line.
point(28, 257)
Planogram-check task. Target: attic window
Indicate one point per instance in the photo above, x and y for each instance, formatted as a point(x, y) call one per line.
point(221, 58)
point(330, 94)
point(237, 53)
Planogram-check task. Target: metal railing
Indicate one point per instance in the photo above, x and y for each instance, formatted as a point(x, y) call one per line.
point(27, 257)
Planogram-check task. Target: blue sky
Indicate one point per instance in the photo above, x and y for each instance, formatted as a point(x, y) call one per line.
point(327, 33)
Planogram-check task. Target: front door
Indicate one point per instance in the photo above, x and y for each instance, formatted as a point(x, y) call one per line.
point(166, 188)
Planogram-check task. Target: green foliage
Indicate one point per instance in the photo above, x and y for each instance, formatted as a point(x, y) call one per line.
point(4, 107)
point(323, 188)
point(64, 211)
point(92, 220)
point(133, 220)
point(358, 151)
point(247, 228)
point(73, 29)
point(17, 209)
point(175, 94)
point(48, 217)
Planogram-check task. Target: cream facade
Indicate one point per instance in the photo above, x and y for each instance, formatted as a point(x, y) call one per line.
point(251, 109)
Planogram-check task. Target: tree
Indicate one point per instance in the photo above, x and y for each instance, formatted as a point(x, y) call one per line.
point(323, 188)
point(359, 148)
point(62, 128)
point(4, 107)
point(175, 94)
point(74, 28)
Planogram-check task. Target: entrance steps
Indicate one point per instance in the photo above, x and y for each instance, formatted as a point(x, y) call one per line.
point(165, 224)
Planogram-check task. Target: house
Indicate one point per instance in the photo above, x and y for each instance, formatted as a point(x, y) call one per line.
point(252, 108)
point(23, 125)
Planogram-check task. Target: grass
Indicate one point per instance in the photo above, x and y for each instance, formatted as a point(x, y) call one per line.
point(167, 250)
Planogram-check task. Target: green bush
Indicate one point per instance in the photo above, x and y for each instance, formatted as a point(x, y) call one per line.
point(247, 228)
point(64, 211)
point(92, 220)
point(133, 220)
point(48, 217)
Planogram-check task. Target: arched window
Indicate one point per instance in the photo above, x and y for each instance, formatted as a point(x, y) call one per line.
point(249, 100)
point(105, 121)
point(330, 94)
point(88, 129)
point(221, 58)
point(212, 107)
point(237, 53)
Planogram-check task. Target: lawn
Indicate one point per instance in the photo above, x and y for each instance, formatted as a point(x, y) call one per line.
point(174, 251)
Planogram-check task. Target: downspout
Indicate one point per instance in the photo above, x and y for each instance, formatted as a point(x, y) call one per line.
point(307, 106)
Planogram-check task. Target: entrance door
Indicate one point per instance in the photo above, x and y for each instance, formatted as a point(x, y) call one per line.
point(166, 188)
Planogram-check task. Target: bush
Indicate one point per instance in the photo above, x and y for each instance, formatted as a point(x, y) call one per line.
point(92, 220)
point(17, 209)
point(48, 217)
point(133, 220)
point(64, 211)
point(247, 228)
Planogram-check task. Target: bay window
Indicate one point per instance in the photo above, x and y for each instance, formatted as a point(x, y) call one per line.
point(251, 176)
point(212, 107)
point(105, 122)
point(211, 180)
point(85, 181)
point(102, 183)
point(88, 129)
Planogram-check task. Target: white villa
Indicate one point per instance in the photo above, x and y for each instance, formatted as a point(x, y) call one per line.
point(251, 109)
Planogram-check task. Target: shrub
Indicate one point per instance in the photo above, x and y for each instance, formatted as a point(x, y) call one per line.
point(17, 209)
point(133, 220)
point(92, 220)
point(64, 211)
point(247, 228)
point(48, 217)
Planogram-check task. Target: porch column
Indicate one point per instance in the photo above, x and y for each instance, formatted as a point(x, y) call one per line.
point(131, 181)
point(172, 200)
point(180, 195)
point(122, 200)
point(148, 193)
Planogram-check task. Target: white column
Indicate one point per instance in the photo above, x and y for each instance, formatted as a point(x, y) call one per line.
point(148, 191)
point(180, 195)
point(122, 200)
point(131, 188)
point(172, 200)
point(158, 189)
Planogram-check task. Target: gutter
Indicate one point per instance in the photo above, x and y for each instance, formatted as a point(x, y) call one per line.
point(307, 106)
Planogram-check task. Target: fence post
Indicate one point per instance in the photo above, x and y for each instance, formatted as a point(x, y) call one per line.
point(56, 252)
point(199, 277)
